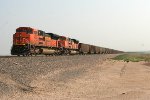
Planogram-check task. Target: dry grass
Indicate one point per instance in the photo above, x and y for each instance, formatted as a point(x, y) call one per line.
point(133, 57)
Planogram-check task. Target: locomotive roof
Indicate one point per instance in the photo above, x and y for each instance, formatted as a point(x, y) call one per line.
point(53, 36)
point(27, 28)
point(74, 40)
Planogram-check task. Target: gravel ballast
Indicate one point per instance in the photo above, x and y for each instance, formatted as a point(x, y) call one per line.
point(79, 77)
point(18, 74)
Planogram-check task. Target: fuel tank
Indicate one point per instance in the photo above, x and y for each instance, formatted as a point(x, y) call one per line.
point(47, 51)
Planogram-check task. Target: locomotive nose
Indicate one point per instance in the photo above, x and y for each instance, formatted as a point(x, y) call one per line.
point(21, 38)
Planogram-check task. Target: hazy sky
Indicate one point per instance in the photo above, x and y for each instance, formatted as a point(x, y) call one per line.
point(117, 24)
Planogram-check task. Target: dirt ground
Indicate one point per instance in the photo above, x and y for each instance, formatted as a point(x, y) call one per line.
point(97, 79)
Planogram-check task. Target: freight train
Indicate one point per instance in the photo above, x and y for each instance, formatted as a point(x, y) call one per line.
point(29, 41)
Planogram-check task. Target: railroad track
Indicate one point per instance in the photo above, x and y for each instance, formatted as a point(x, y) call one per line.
point(9, 56)
point(35, 56)
point(21, 56)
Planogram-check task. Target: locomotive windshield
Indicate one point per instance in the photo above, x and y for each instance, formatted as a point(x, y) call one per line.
point(27, 30)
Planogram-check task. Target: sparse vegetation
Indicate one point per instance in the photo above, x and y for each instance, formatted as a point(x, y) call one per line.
point(133, 57)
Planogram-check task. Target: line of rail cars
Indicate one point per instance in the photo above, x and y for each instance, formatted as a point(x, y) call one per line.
point(29, 41)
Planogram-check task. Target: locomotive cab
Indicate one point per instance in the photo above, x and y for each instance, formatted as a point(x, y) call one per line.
point(23, 39)
point(75, 44)
point(24, 35)
point(63, 42)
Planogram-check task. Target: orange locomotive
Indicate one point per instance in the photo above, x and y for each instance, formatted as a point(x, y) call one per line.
point(29, 41)
point(68, 45)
